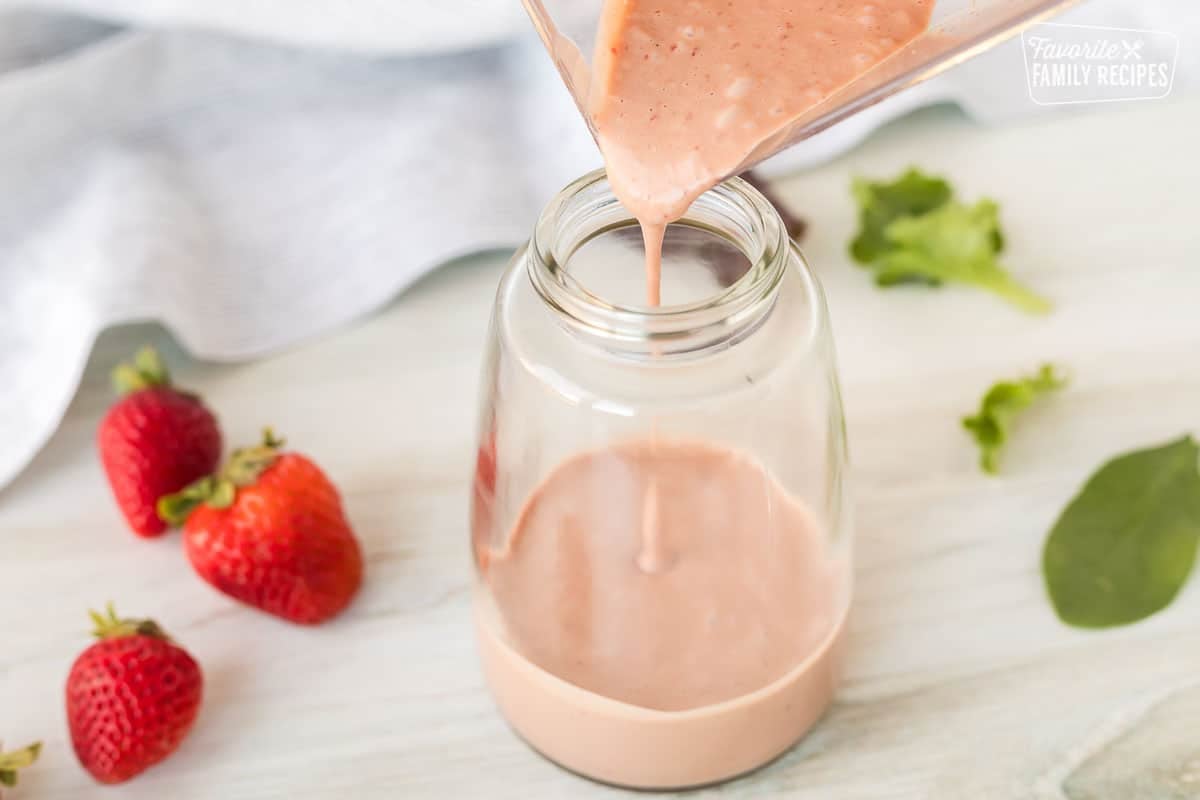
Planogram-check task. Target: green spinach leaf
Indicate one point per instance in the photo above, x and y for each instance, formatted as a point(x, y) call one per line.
point(1126, 545)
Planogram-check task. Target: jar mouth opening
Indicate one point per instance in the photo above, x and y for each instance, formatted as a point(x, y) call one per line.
point(732, 211)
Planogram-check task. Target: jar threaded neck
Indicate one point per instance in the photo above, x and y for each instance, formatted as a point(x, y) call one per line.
point(733, 211)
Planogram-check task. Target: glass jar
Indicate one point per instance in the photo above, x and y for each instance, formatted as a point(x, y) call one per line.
point(659, 525)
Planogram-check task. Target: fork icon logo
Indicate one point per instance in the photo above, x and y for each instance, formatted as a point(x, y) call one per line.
point(1133, 49)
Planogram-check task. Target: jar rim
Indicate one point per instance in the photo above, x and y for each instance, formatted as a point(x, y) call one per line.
point(585, 209)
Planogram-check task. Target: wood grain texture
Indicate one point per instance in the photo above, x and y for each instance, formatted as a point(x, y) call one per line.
point(961, 682)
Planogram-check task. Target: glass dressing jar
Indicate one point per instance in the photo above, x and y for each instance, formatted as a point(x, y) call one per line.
point(659, 523)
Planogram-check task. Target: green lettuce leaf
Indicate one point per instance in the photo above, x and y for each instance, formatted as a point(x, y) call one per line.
point(911, 230)
point(881, 203)
point(1000, 406)
point(955, 243)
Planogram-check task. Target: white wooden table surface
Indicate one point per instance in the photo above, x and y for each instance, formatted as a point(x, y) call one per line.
point(962, 685)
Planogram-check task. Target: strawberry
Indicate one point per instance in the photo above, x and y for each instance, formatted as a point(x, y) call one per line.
point(269, 530)
point(131, 698)
point(17, 760)
point(154, 440)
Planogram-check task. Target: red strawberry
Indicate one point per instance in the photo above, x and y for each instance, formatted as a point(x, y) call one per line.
point(131, 698)
point(155, 440)
point(269, 530)
point(17, 760)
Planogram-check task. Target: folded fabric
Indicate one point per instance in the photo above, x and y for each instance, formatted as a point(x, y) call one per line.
point(363, 26)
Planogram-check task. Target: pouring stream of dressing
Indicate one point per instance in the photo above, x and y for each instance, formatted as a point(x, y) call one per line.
point(683, 91)
point(653, 234)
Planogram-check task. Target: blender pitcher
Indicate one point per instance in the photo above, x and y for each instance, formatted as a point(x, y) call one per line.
point(659, 526)
point(959, 30)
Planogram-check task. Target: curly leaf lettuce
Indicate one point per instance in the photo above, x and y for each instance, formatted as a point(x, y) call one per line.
point(881, 203)
point(955, 243)
point(1002, 403)
point(911, 230)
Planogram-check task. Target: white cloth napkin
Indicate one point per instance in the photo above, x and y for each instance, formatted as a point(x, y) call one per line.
point(255, 174)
